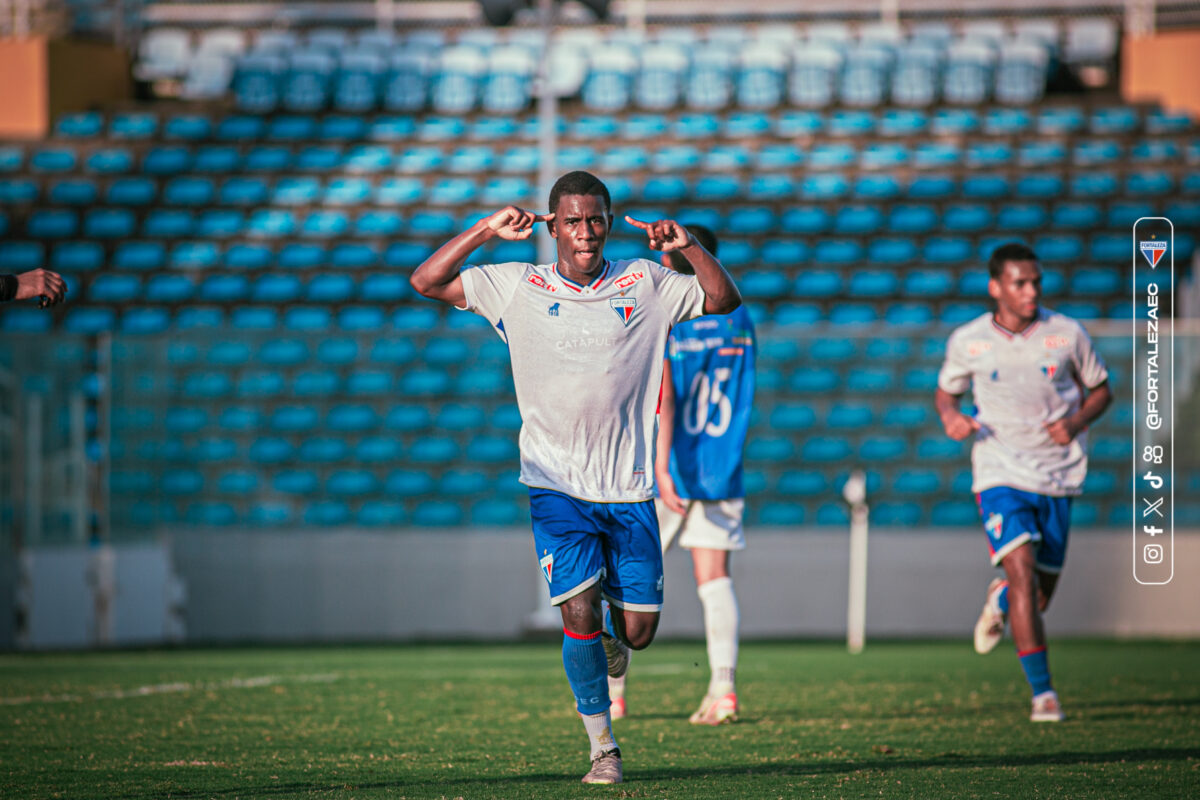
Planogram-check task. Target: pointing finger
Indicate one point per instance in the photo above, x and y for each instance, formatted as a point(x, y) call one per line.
point(637, 223)
point(543, 217)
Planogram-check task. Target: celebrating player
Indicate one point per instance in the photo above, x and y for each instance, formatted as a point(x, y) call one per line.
point(708, 390)
point(1037, 384)
point(586, 338)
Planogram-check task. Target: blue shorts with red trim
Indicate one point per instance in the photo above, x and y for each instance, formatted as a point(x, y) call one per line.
point(1012, 517)
point(579, 543)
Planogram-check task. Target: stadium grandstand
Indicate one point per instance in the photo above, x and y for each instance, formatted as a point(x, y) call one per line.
point(238, 209)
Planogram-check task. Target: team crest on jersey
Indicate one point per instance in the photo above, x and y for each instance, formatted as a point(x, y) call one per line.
point(624, 306)
point(1153, 251)
point(978, 347)
point(540, 282)
point(546, 562)
point(552, 310)
point(994, 525)
point(1055, 342)
point(625, 281)
point(1049, 368)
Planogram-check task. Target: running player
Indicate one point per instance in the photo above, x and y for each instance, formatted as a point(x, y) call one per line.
point(1037, 384)
point(586, 338)
point(708, 391)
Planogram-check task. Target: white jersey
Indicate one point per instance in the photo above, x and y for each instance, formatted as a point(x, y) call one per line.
point(587, 365)
point(1021, 382)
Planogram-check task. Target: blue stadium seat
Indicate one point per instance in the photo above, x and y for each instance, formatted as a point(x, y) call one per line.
point(1094, 184)
point(1059, 247)
point(912, 219)
point(167, 224)
point(73, 257)
point(908, 314)
point(857, 220)
point(114, 287)
point(792, 416)
point(823, 449)
point(784, 252)
point(18, 191)
point(838, 251)
point(46, 223)
point(932, 187)
point(52, 160)
point(22, 256)
point(967, 218)
point(799, 314)
point(816, 380)
point(818, 283)
point(947, 250)
point(850, 415)
point(73, 192)
point(873, 283)
point(1076, 215)
point(224, 288)
point(906, 415)
point(967, 77)
point(1149, 182)
point(871, 380)
point(268, 158)
point(916, 77)
point(1021, 217)
point(805, 219)
point(803, 483)
point(928, 283)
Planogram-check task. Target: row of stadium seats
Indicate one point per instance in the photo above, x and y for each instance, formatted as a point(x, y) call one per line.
point(158, 319)
point(625, 67)
point(1045, 120)
point(709, 164)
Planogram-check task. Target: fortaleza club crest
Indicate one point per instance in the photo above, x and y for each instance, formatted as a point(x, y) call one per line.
point(1153, 251)
point(624, 307)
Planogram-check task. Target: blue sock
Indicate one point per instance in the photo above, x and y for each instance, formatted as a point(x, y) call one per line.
point(1037, 670)
point(587, 671)
point(1002, 600)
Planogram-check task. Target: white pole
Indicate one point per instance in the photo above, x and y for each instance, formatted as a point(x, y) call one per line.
point(77, 484)
point(855, 492)
point(547, 128)
point(33, 476)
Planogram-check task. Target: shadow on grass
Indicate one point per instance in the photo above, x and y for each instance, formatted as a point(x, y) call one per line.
point(886, 764)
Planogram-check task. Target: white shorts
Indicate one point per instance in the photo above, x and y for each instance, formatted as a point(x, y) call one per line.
point(707, 525)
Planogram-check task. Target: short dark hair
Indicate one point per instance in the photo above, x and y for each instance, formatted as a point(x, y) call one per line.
point(1012, 251)
point(704, 236)
point(581, 183)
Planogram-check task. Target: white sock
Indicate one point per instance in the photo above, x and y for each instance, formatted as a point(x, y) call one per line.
point(599, 731)
point(616, 687)
point(721, 633)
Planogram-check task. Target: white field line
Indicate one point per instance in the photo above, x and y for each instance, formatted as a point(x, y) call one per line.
point(171, 688)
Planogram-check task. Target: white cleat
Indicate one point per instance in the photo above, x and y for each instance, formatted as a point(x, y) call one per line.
point(616, 653)
point(989, 628)
point(606, 768)
point(1046, 708)
point(716, 710)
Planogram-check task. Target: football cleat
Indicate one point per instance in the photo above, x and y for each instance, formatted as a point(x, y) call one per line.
point(616, 653)
point(606, 768)
point(989, 628)
point(1046, 708)
point(716, 710)
point(617, 709)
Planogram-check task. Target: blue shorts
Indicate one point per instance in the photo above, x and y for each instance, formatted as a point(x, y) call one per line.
point(579, 543)
point(1012, 517)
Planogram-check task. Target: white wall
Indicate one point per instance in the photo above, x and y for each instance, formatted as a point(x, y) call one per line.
point(298, 586)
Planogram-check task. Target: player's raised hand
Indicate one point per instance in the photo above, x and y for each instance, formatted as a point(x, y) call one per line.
point(959, 426)
point(514, 223)
point(41, 283)
point(665, 235)
point(1062, 431)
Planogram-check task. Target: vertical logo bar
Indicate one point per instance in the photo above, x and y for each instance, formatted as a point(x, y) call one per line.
point(1153, 401)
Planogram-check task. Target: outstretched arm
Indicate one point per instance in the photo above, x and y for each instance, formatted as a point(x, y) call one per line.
point(958, 425)
point(721, 294)
point(36, 283)
point(1064, 430)
point(438, 276)
point(666, 435)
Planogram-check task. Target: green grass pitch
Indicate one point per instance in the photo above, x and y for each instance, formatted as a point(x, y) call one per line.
point(901, 720)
